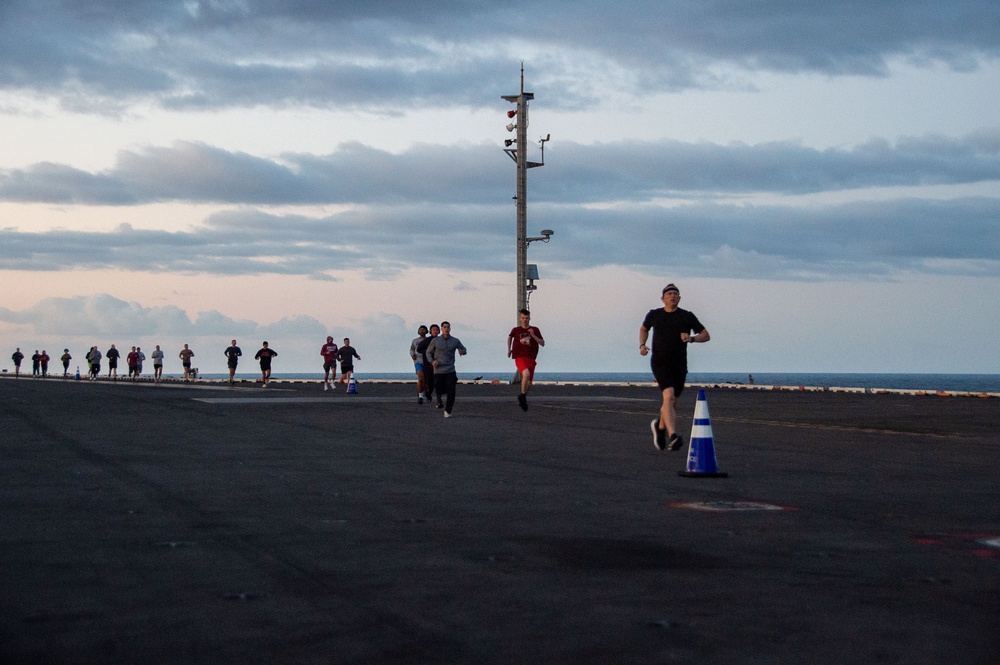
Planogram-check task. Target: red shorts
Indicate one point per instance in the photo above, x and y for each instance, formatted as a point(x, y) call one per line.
point(526, 365)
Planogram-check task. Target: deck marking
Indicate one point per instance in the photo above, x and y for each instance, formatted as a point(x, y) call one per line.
point(357, 399)
point(729, 506)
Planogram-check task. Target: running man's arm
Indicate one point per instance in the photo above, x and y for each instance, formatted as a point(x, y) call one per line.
point(643, 337)
point(701, 337)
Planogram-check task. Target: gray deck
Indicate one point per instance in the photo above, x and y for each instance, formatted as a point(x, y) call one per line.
point(208, 524)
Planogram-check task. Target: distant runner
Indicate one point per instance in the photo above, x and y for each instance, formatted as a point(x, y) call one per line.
point(264, 356)
point(185, 355)
point(233, 354)
point(418, 361)
point(157, 356)
point(17, 358)
point(113, 355)
point(329, 353)
point(346, 354)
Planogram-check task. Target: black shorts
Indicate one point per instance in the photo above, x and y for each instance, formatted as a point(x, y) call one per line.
point(330, 365)
point(670, 377)
point(232, 363)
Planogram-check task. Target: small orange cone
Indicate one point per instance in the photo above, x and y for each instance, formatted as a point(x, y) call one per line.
point(701, 461)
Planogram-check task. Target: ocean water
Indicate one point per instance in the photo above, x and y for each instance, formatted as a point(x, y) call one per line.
point(929, 382)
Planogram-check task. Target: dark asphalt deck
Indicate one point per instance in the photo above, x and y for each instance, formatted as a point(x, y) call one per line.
point(171, 524)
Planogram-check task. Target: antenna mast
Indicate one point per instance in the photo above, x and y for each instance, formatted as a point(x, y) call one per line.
point(519, 154)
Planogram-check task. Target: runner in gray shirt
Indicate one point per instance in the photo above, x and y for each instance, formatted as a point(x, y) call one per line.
point(441, 352)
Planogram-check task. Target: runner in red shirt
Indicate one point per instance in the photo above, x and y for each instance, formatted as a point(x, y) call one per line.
point(133, 363)
point(329, 353)
point(522, 346)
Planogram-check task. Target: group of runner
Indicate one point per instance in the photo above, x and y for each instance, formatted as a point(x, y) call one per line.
point(39, 362)
point(134, 359)
point(433, 354)
point(332, 354)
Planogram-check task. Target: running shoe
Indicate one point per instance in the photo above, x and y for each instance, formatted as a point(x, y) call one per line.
point(676, 441)
point(522, 399)
point(659, 435)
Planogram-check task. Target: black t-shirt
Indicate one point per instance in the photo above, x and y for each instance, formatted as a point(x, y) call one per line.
point(347, 354)
point(265, 355)
point(668, 349)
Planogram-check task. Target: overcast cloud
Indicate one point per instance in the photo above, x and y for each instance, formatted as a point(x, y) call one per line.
point(395, 212)
point(222, 53)
point(425, 174)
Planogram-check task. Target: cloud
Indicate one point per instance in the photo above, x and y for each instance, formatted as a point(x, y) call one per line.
point(862, 238)
point(97, 315)
point(293, 326)
point(108, 55)
point(633, 204)
point(196, 172)
point(638, 171)
point(190, 172)
point(103, 316)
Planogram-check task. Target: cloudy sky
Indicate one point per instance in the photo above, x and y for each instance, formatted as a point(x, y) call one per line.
point(822, 180)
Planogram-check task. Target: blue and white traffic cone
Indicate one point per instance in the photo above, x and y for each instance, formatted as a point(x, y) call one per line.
point(701, 461)
point(352, 387)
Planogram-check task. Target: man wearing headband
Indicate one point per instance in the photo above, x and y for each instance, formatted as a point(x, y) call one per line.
point(672, 331)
